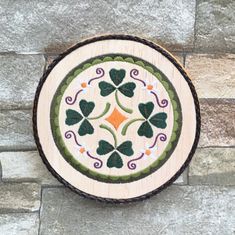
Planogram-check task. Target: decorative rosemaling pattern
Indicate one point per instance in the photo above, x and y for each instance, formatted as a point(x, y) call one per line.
point(118, 154)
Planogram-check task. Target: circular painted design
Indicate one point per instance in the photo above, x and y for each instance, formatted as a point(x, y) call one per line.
point(116, 118)
point(101, 143)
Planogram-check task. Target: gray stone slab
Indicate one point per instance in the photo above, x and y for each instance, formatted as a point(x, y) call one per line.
point(213, 166)
point(20, 197)
point(213, 75)
point(32, 26)
point(177, 210)
point(25, 166)
point(215, 25)
point(19, 224)
point(16, 129)
point(218, 123)
point(19, 76)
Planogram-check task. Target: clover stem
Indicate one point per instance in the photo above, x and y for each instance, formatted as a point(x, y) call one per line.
point(124, 129)
point(106, 109)
point(112, 133)
point(120, 105)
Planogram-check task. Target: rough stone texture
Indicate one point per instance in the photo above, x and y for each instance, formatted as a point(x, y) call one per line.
point(206, 205)
point(50, 59)
point(212, 75)
point(218, 122)
point(213, 166)
point(25, 166)
point(215, 25)
point(19, 224)
point(19, 197)
point(51, 26)
point(177, 210)
point(19, 76)
point(181, 179)
point(16, 129)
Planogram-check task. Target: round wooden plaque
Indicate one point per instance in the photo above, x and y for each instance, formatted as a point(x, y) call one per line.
point(116, 118)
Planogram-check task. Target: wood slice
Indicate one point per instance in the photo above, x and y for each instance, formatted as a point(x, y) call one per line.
point(116, 118)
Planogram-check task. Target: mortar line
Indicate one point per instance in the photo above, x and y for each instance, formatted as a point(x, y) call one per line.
point(216, 146)
point(11, 211)
point(195, 25)
point(39, 212)
point(16, 211)
point(18, 108)
point(1, 172)
point(45, 64)
point(184, 59)
point(17, 149)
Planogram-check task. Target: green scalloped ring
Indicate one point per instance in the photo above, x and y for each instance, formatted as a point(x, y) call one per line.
point(55, 105)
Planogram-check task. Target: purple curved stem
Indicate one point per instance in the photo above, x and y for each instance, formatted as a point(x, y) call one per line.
point(162, 138)
point(163, 103)
point(69, 100)
point(98, 164)
point(131, 165)
point(135, 72)
point(100, 72)
point(69, 134)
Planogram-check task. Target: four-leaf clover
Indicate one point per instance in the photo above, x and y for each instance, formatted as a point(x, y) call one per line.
point(74, 117)
point(158, 120)
point(115, 159)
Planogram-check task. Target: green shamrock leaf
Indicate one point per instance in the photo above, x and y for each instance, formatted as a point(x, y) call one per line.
point(159, 120)
point(115, 160)
point(145, 130)
point(126, 148)
point(85, 128)
point(146, 109)
point(106, 88)
point(117, 76)
point(86, 107)
point(127, 89)
point(72, 117)
point(104, 147)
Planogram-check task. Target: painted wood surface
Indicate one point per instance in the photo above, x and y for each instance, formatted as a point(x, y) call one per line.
point(116, 118)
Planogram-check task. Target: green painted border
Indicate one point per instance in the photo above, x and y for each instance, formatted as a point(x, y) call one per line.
point(109, 178)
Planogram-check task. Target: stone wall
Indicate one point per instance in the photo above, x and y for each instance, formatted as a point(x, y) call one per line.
point(201, 33)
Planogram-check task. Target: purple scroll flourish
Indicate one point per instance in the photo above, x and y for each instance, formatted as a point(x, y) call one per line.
point(98, 164)
point(69, 134)
point(69, 100)
point(134, 73)
point(161, 136)
point(163, 102)
point(100, 72)
point(131, 165)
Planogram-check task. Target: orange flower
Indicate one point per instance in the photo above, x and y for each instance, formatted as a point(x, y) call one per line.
point(150, 152)
point(150, 86)
point(82, 150)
